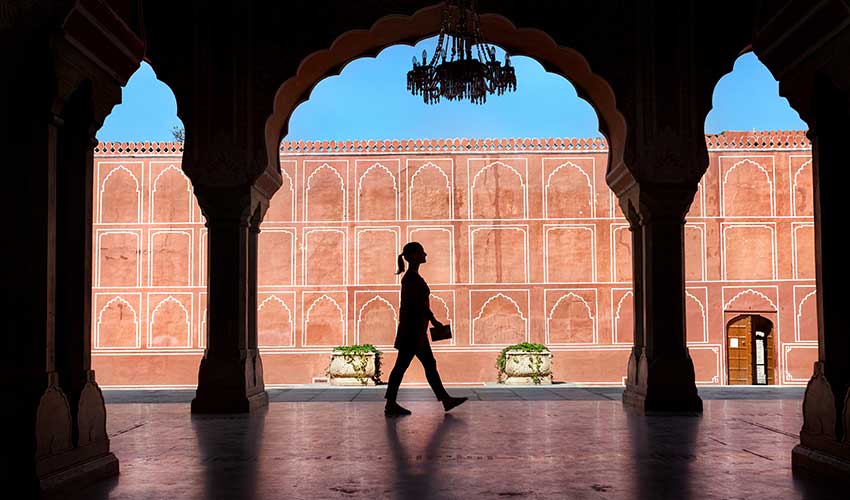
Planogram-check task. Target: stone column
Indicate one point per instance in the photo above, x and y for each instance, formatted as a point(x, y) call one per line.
point(230, 379)
point(53, 411)
point(664, 379)
point(636, 229)
point(825, 437)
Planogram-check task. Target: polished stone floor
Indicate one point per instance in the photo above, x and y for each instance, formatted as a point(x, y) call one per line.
point(558, 446)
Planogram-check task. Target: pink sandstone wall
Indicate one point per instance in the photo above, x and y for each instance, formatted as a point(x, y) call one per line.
point(525, 243)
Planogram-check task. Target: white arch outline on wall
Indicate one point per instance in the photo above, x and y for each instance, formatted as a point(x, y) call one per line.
point(794, 187)
point(324, 297)
point(363, 307)
point(186, 315)
point(484, 306)
point(521, 183)
point(617, 340)
point(593, 333)
point(589, 186)
point(410, 191)
point(360, 190)
point(103, 188)
point(323, 166)
point(750, 291)
point(747, 161)
point(121, 299)
point(702, 313)
point(283, 174)
point(277, 299)
point(305, 252)
point(800, 314)
point(188, 190)
point(445, 307)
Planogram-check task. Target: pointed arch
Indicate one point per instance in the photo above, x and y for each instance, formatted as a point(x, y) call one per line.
point(167, 333)
point(119, 205)
point(573, 210)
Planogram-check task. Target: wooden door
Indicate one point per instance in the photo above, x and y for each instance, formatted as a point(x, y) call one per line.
point(739, 348)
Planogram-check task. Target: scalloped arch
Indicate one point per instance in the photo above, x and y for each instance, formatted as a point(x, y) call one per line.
point(401, 29)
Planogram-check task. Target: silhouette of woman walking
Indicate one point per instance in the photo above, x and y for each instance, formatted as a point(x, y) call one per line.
point(412, 335)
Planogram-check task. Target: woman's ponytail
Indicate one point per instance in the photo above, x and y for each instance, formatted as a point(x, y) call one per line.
point(400, 264)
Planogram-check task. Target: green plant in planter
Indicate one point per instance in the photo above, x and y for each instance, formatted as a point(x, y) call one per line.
point(354, 356)
point(537, 362)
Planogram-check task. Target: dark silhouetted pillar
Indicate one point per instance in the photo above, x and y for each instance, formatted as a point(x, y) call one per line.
point(825, 437)
point(661, 372)
point(230, 379)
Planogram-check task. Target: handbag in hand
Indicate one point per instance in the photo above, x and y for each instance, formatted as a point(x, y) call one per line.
point(442, 332)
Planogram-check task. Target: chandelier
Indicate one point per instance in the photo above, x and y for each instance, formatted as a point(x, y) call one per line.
point(463, 66)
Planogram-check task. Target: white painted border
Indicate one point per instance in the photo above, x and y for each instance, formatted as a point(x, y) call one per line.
point(613, 228)
point(565, 292)
point(547, 228)
point(723, 173)
point(163, 297)
point(292, 232)
point(795, 226)
point(305, 181)
point(489, 162)
point(724, 226)
point(396, 231)
point(792, 176)
point(493, 294)
point(277, 295)
point(564, 162)
point(517, 227)
point(305, 252)
point(152, 194)
point(450, 184)
point(140, 186)
point(190, 233)
point(810, 292)
point(305, 316)
point(97, 315)
point(99, 233)
point(396, 178)
point(449, 229)
point(375, 295)
point(616, 305)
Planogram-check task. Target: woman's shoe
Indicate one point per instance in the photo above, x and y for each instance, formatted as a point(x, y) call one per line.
point(395, 410)
point(451, 402)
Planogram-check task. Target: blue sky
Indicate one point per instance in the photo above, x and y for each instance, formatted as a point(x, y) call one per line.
point(369, 100)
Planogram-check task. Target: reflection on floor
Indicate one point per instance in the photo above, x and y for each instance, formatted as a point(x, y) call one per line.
point(542, 449)
point(323, 392)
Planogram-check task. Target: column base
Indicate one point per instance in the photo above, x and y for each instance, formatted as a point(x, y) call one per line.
point(637, 401)
point(225, 404)
point(230, 385)
point(816, 463)
point(78, 475)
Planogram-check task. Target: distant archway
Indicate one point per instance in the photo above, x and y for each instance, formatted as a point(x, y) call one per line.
point(401, 29)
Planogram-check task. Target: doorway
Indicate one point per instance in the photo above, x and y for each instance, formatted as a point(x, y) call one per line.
point(750, 351)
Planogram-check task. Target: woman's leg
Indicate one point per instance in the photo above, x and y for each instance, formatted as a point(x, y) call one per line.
point(426, 357)
point(401, 363)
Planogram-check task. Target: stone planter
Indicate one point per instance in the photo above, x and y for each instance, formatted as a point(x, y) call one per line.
point(520, 367)
point(352, 369)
